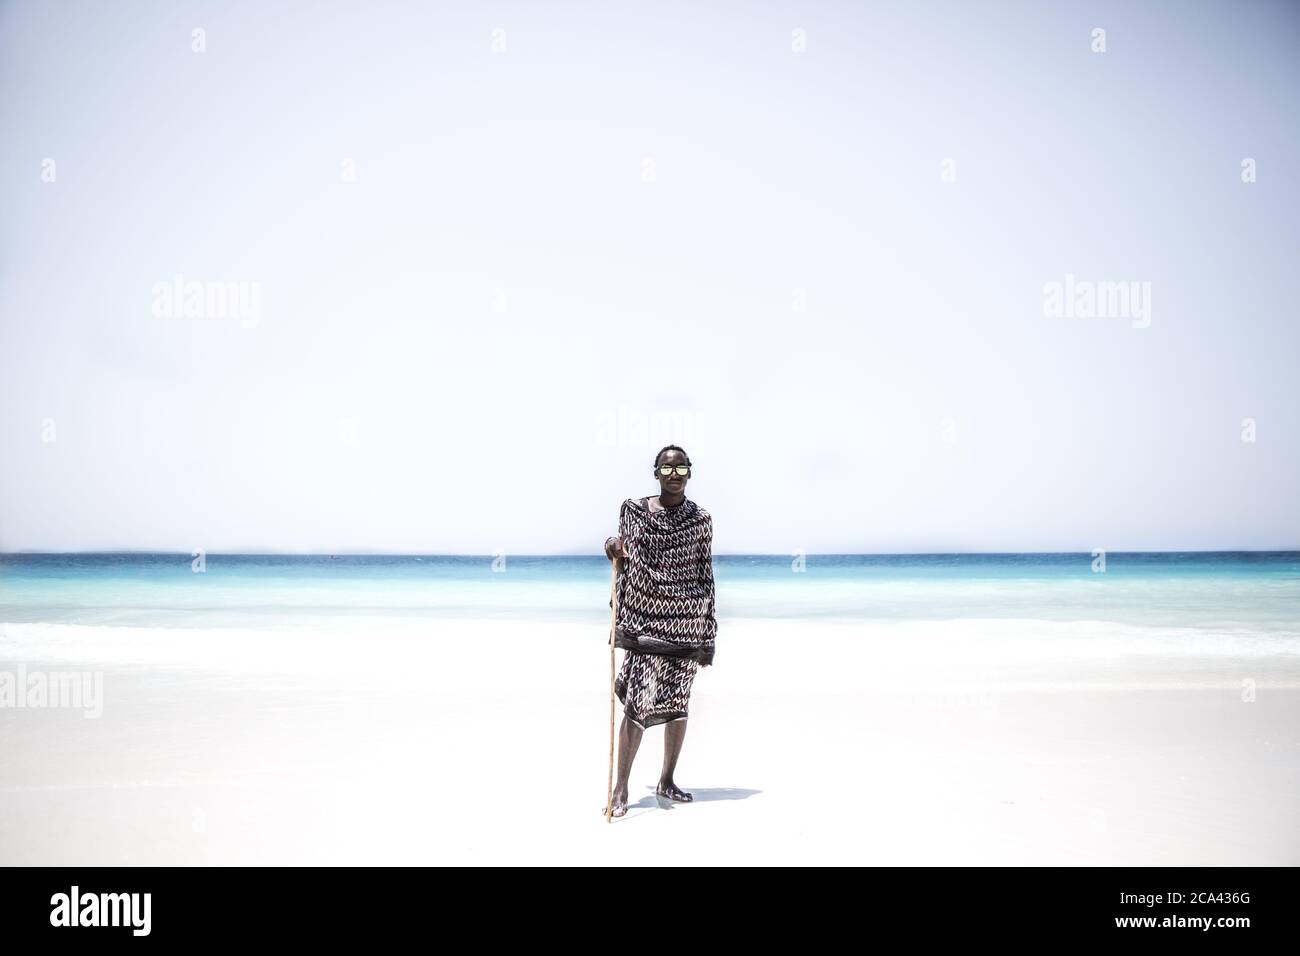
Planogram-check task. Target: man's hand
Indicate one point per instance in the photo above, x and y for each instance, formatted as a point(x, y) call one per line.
point(614, 548)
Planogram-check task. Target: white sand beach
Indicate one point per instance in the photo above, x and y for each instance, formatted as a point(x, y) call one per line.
point(959, 742)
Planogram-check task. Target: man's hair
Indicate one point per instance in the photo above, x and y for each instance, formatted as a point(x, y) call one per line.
point(672, 448)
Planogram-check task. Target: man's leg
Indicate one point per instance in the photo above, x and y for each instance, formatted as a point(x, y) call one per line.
point(674, 734)
point(629, 740)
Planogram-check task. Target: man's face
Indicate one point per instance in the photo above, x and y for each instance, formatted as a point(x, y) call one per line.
point(671, 483)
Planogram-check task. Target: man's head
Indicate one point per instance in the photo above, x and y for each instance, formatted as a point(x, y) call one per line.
point(672, 459)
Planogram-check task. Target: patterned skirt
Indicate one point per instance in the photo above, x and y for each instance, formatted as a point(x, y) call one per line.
point(654, 689)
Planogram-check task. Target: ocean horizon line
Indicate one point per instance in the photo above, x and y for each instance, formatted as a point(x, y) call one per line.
point(598, 554)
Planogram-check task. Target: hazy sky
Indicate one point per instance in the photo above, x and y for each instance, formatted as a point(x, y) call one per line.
point(492, 256)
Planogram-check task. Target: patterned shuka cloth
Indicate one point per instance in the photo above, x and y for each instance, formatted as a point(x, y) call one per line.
point(655, 689)
point(666, 613)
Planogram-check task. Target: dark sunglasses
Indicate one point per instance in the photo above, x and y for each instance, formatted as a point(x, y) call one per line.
point(683, 470)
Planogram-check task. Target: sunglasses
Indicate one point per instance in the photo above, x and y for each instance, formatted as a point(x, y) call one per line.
point(683, 470)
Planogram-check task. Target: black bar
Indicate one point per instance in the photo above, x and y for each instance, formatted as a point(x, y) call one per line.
point(331, 905)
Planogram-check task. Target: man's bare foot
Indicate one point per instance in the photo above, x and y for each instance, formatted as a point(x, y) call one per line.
point(619, 806)
point(673, 792)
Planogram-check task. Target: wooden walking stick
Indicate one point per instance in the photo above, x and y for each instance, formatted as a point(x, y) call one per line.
point(613, 627)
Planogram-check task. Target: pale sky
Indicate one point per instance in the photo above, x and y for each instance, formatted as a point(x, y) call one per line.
point(494, 255)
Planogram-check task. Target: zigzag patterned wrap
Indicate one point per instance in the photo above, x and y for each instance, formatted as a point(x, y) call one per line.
point(665, 588)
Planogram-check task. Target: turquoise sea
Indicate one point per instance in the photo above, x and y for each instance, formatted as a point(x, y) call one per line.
point(1256, 591)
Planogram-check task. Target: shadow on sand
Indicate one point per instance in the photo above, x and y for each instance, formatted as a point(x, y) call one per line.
point(701, 795)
